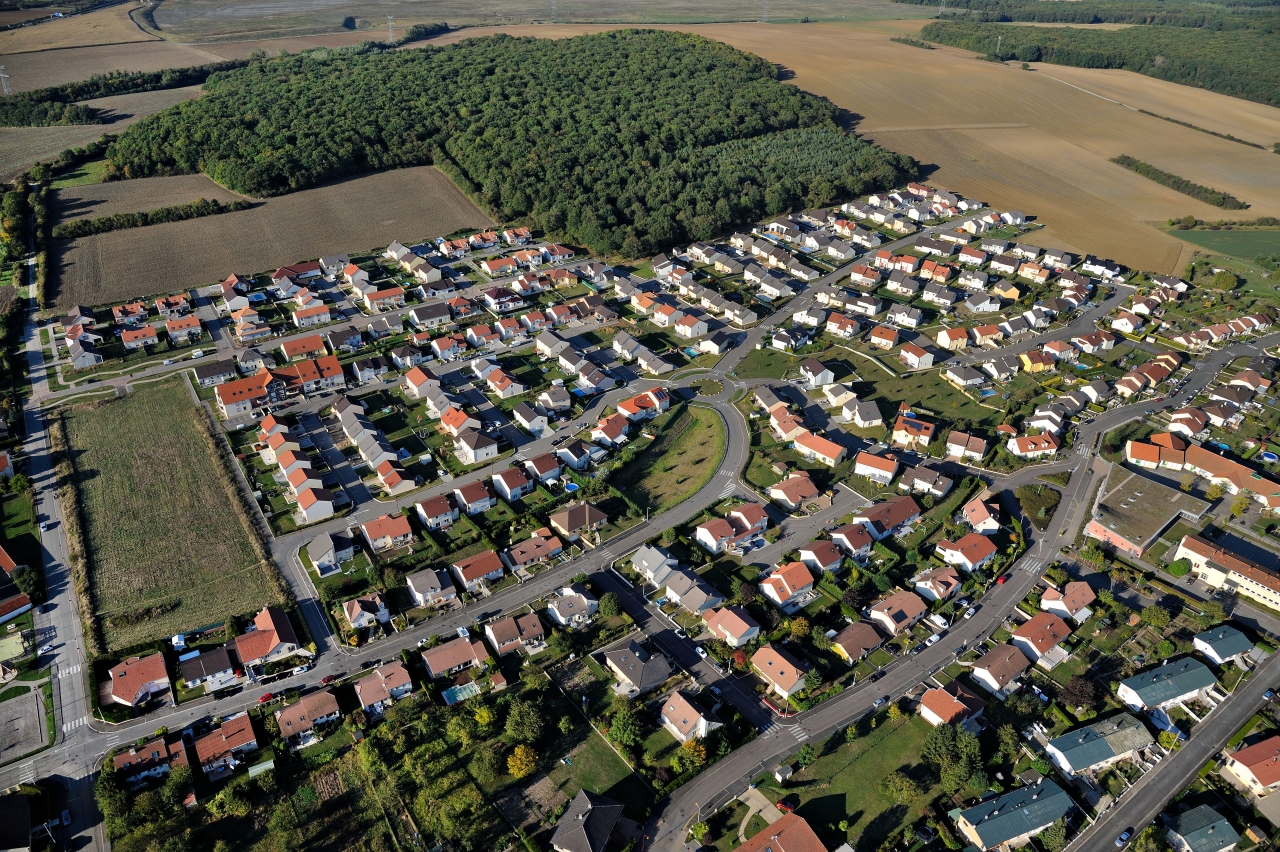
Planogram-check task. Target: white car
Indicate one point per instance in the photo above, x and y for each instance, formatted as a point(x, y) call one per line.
point(44, 649)
point(969, 612)
point(44, 526)
point(301, 670)
point(701, 652)
point(932, 640)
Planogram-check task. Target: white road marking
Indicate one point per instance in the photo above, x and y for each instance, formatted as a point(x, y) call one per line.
point(74, 723)
point(68, 671)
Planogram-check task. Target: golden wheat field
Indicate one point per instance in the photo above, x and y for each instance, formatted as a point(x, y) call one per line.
point(347, 216)
point(1021, 139)
point(106, 26)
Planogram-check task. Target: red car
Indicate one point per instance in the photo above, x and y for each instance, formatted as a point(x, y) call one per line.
point(787, 804)
point(265, 698)
point(328, 678)
point(1000, 580)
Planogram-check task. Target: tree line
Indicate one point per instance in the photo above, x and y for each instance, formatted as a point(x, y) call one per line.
point(119, 221)
point(1228, 14)
point(1216, 197)
point(624, 141)
point(1241, 63)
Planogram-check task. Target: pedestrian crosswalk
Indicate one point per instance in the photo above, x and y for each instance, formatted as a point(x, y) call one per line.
point(69, 670)
point(67, 727)
point(1031, 566)
point(796, 731)
point(728, 489)
point(28, 775)
point(607, 554)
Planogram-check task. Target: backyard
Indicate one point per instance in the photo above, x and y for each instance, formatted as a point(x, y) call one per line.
point(167, 544)
point(844, 784)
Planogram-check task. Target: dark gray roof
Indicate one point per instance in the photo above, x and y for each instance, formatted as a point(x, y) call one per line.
point(1101, 741)
point(1203, 829)
point(1174, 678)
point(212, 369)
point(637, 666)
point(208, 663)
point(1017, 813)
point(586, 824)
point(1225, 641)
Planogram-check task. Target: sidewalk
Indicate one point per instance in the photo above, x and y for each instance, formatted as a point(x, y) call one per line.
point(756, 804)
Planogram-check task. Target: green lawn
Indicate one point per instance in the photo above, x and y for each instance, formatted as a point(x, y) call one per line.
point(90, 172)
point(1246, 244)
point(845, 785)
point(21, 538)
point(929, 393)
point(765, 364)
point(724, 823)
point(678, 464)
point(596, 767)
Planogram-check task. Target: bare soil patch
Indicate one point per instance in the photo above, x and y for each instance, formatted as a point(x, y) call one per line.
point(136, 196)
point(350, 215)
point(22, 146)
point(36, 69)
point(1024, 140)
point(215, 19)
point(17, 16)
point(106, 26)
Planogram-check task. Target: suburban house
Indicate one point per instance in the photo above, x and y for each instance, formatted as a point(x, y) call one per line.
point(1038, 639)
point(1009, 821)
point(685, 721)
point(573, 607)
point(971, 552)
point(788, 586)
point(997, 669)
point(1201, 829)
point(884, 518)
point(431, 588)
point(855, 641)
point(953, 704)
point(1222, 644)
point(938, 584)
point(387, 532)
point(783, 675)
point(219, 751)
point(137, 680)
point(817, 448)
point(1099, 745)
point(151, 759)
point(853, 540)
point(1071, 602)
point(270, 638)
point(454, 656)
point(1256, 767)
point(637, 670)
point(898, 612)
point(296, 720)
point(473, 571)
point(792, 492)
point(366, 611)
point(1172, 682)
point(380, 690)
point(821, 555)
point(732, 624)
point(587, 824)
point(579, 518)
point(513, 633)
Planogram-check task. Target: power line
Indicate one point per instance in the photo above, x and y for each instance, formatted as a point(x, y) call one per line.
point(553, 11)
point(766, 11)
point(4, 81)
point(391, 36)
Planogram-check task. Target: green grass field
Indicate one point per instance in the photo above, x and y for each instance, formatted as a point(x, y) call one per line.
point(930, 393)
point(765, 364)
point(1247, 244)
point(844, 784)
point(676, 465)
point(90, 172)
point(167, 550)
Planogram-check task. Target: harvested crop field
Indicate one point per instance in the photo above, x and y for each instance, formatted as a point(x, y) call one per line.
point(41, 68)
point(168, 551)
point(983, 129)
point(106, 26)
point(221, 19)
point(17, 16)
point(136, 196)
point(349, 215)
point(22, 146)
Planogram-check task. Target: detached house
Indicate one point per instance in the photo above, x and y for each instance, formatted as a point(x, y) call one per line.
point(898, 612)
point(780, 672)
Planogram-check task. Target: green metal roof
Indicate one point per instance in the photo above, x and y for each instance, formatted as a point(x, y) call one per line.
point(1103, 740)
point(1166, 682)
point(1019, 812)
point(1225, 641)
point(1204, 830)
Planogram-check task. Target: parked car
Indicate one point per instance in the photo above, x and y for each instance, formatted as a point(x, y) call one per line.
point(1124, 837)
point(701, 652)
point(1002, 578)
point(970, 611)
point(932, 640)
point(789, 803)
point(328, 678)
point(44, 649)
point(880, 702)
point(265, 697)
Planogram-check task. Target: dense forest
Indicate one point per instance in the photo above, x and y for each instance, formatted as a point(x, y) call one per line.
point(625, 141)
point(119, 221)
point(1227, 14)
point(1242, 63)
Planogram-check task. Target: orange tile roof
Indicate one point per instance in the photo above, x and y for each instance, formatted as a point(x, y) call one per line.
point(1044, 630)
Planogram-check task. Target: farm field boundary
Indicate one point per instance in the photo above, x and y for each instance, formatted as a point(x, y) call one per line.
point(168, 545)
